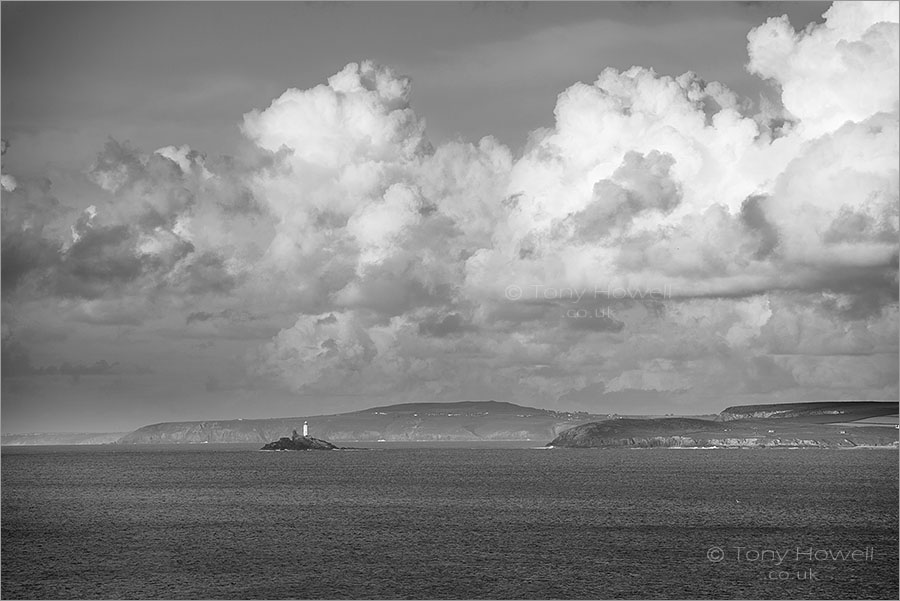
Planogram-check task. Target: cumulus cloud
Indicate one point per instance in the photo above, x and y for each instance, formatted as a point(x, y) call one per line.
point(832, 73)
point(644, 182)
point(322, 350)
point(755, 249)
point(363, 111)
point(30, 211)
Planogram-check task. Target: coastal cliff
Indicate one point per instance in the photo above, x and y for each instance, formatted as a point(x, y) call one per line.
point(461, 421)
point(60, 438)
point(218, 431)
point(679, 432)
point(820, 412)
point(831, 423)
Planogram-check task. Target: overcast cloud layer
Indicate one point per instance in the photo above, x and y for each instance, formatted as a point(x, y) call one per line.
point(666, 246)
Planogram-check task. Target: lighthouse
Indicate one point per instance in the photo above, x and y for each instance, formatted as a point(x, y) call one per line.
point(305, 428)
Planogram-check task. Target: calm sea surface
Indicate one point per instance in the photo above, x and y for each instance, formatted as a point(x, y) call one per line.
point(433, 521)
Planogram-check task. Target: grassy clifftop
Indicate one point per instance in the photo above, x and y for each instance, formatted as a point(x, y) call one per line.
point(822, 412)
point(827, 424)
point(459, 421)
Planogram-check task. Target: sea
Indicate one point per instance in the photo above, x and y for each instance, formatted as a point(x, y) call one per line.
point(445, 521)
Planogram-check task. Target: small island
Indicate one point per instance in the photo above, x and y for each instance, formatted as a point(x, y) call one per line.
point(299, 442)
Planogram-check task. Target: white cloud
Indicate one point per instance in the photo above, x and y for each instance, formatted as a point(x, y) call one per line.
point(834, 72)
point(645, 182)
point(389, 260)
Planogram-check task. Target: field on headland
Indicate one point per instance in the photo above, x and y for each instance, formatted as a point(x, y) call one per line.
point(835, 423)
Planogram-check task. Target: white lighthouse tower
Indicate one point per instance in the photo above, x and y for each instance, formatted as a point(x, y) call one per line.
point(305, 428)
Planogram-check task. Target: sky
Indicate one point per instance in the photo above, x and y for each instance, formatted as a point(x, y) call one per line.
point(233, 210)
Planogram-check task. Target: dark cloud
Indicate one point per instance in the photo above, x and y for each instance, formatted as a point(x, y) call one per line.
point(100, 367)
point(641, 183)
point(863, 305)
point(207, 274)
point(154, 180)
point(165, 260)
point(31, 205)
point(648, 179)
point(753, 216)
point(865, 290)
point(102, 259)
point(116, 166)
point(23, 253)
point(199, 316)
point(241, 202)
point(228, 314)
point(15, 360)
point(595, 319)
point(516, 312)
point(26, 247)
point(100, 254)
point(440, 327)
point(390, 293)
point(857, 226)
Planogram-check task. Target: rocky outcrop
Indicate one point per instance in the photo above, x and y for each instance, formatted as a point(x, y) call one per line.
point(820, 412)
point(664, 432)
point(299, 443)
point(676, 432)
point(475, 421)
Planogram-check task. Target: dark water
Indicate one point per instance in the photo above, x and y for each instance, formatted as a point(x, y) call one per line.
point(436, 522)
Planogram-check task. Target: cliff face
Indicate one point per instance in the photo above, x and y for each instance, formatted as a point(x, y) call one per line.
point(635, 432)
point(250, 431)
point(822, 412)
point(463, 421)
point(738, 434)
point(470, 421)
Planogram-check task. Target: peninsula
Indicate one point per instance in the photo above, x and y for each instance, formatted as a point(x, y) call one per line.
point(833, 424)
point(460, 421)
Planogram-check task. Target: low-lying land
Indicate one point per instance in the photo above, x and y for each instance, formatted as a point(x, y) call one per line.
point(60, 438)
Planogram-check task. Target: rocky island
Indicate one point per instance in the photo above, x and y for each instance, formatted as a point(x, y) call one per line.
point(299, 443)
